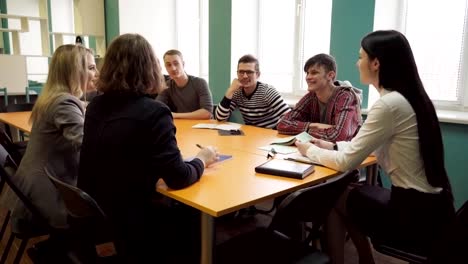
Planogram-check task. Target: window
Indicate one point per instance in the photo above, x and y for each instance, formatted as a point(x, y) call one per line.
point(169, 24)
point(282, 35)
point(438, 37)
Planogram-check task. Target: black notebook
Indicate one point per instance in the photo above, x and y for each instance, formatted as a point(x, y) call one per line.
point(285, 168)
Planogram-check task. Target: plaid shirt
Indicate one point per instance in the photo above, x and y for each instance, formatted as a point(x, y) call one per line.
point(343, 113)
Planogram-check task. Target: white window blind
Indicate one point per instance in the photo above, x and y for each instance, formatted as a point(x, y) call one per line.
point(169, 24)
point(437, 32)
point(282, 35)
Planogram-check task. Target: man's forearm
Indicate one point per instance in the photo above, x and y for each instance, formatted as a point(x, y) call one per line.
point(198, 114)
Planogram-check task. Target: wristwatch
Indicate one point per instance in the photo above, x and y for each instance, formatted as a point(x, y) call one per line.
point(335, 146)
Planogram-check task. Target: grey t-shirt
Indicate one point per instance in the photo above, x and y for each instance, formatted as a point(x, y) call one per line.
point(193, 96)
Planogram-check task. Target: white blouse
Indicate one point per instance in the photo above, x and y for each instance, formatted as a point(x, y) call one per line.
point(391, 132)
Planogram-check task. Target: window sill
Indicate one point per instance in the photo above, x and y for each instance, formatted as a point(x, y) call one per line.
point(445, 116)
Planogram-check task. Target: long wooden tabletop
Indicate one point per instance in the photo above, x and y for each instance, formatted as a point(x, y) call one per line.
point(226, 186)
point(19, 120)
point(231, 184)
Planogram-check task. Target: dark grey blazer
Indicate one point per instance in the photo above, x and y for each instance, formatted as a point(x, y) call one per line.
point(55, 142)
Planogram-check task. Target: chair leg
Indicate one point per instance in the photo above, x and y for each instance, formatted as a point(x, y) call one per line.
point(20, 252)
point(7, 248)
point(2, 183)
point(5, 224)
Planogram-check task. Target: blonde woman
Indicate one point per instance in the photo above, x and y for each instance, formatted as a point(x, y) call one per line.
point(57, 132)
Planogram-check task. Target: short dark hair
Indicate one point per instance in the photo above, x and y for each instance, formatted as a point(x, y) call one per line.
point(324, 60)
point(249, 59)
point(173, 52)
point(130, 66)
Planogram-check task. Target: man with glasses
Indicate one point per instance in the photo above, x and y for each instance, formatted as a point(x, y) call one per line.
point(187, 96)
point(259, 103)
point(331, 110)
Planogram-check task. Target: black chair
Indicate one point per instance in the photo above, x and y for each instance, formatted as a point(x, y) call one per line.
point(15, 149)
point(4, 159)
point(89, 224)
point(273, 244)
point(41, 225)
point(450, 248)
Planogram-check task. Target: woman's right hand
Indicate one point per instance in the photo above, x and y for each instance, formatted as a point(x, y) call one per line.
point(322, 143)
point(208, 155)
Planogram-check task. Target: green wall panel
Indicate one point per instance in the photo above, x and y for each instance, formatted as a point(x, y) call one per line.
point(456, 150)
point(351, 20)
point(220, 51)
point(111, 8)
point(219, 47)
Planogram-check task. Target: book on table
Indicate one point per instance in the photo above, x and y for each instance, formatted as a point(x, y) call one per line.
point(288, 141)
point(223, 126)
point(286, 168)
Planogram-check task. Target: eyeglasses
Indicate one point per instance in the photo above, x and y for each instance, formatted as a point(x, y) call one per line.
point(271, 154)
point(242, 72)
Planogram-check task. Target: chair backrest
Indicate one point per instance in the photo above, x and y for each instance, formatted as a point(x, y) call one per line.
point(6, 173)
point(14, 150)
point(36, 88)
point(4, 90)
point(453, 245)
point(4, 159)
point(79, 204)
point(5, 156)
point(311, 204)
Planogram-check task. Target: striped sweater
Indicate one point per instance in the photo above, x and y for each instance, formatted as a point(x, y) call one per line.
point(263, 108)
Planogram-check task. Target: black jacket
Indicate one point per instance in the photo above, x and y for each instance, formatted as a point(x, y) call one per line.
point(129, 143)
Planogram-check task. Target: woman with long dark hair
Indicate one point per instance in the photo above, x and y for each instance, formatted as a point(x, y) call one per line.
point(403, 131)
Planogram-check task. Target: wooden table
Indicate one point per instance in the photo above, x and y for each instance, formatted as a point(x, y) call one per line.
point(18, 121)
point(229, 185)
point(233, 184)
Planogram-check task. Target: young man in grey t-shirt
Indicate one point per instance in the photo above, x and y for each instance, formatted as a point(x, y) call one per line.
point(187, 96)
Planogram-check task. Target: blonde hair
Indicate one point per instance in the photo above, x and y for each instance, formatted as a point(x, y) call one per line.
point(67, 75)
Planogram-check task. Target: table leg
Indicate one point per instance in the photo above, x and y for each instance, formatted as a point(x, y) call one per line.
point(15, 134)
point(371, 177)
point(207, 238)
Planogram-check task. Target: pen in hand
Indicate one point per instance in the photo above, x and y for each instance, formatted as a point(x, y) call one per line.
point(199, 146)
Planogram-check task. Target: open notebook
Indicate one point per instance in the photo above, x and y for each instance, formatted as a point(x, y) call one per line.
point(288, 141)
point(296, 156)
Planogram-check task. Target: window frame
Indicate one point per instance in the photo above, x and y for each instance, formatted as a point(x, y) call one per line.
point(298, 84)
point(201, 69)
point(396, 19)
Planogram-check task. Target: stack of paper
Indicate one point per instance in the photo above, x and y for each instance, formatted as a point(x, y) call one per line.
point(224, 126)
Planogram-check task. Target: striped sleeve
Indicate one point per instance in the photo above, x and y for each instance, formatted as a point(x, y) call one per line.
point(224, 109)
